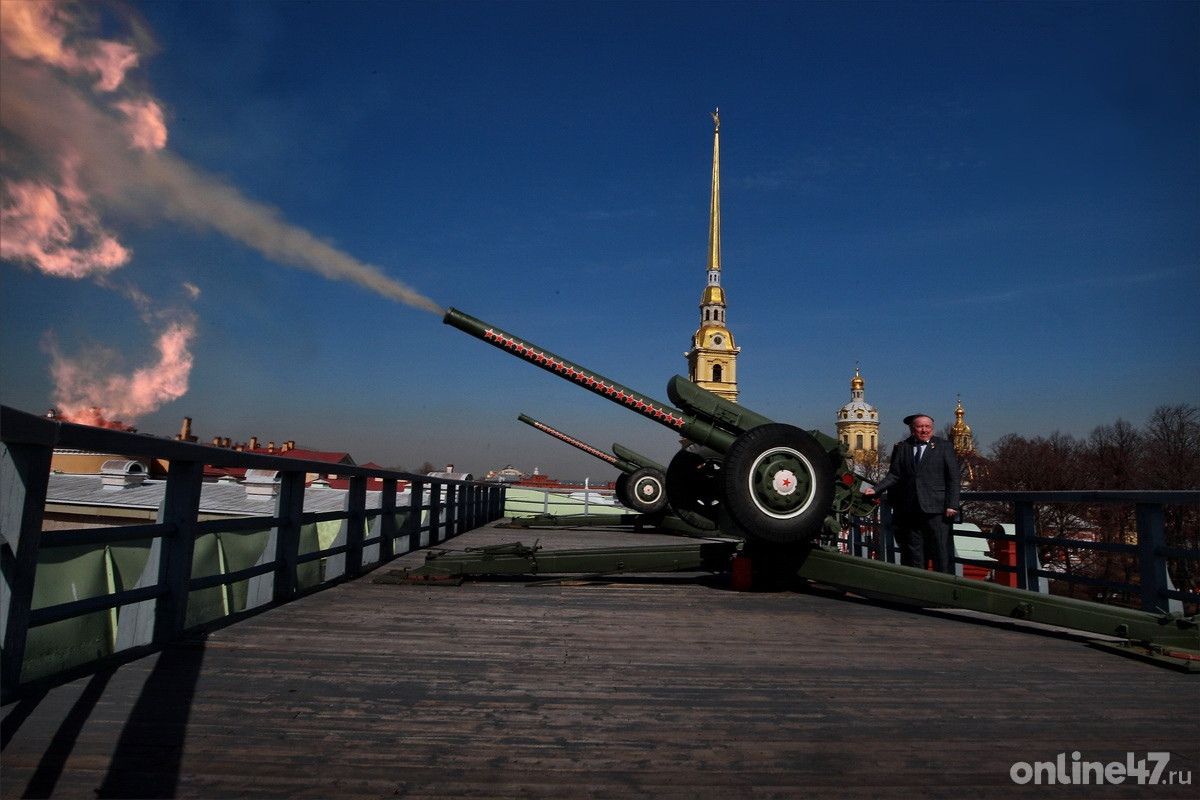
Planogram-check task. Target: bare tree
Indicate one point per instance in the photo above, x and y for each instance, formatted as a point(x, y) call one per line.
point(1171, 460)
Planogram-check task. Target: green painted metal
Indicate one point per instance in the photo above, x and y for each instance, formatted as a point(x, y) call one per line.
point(711, 422)
point(1169, 639)
point(518, 559)
point(637, 460)
point(765, 477)
point(660, 524)
point(884, 580)
point(573, 520)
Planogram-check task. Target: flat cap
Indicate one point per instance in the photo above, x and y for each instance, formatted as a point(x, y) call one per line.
point(909, 419)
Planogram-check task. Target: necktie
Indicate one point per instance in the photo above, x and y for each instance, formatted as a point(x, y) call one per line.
point(917, 457)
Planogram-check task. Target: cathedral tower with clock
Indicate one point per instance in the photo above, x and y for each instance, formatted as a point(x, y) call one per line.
point(858, 425)
point(712, 361)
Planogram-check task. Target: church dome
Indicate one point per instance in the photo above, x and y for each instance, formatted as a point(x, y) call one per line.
point(858, 408)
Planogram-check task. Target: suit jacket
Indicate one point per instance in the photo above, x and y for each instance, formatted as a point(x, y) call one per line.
point(930, 488)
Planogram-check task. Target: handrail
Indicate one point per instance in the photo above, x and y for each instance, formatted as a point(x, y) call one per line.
point(254, 561)
point(1021, 563)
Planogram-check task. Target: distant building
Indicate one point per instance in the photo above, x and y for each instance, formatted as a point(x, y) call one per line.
point(971, 464)
point(536, 480)
point(450, 474)
point(858, 425)
point(960, 432)
point(712, 360)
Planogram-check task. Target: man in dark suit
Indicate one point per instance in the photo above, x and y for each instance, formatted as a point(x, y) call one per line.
point(923, 482)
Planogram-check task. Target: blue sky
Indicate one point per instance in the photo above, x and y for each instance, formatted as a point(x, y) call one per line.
point(998, 200)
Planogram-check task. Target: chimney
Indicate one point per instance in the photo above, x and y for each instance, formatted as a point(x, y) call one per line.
point(291, 444)
point(253, 442)
point(270, 447)
point(117, 473)
point(216, 441)
point(185, 432)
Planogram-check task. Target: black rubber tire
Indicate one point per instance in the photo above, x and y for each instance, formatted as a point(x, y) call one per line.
point(647, 490)
point(621, 490)
point(778, 484)
point(694, 489)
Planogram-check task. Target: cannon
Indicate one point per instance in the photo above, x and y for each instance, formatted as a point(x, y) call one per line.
point(772, 490)
point(641, 486)
point(741, 473)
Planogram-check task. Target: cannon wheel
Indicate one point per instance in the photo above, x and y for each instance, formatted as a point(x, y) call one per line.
point(778, 483)
point(621, 490)
point(647, 490)
point(694, 489)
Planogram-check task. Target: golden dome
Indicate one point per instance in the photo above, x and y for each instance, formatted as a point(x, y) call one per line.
point(713, 295)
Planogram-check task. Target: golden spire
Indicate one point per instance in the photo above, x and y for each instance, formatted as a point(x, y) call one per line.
point(712, 359)
point(960, 432)
point(714, 211)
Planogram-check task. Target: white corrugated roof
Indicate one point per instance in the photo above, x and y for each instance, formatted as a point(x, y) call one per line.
point(215, 498)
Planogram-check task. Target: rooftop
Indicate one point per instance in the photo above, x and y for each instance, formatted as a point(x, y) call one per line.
point(652, 686)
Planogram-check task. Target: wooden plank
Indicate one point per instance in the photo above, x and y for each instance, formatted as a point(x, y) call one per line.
point(667, 686)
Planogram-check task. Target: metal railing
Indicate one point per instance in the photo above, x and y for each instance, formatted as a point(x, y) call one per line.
point(128, 587)
point(524, 501)
point(1020, 546)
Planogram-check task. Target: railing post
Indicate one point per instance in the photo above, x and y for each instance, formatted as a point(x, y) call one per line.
point(24, 476)
point(451, 528)
point(891, 553)
point(470, 507)
point(1152, 568)
point(181, 509)
point(356, 506)
point(477, 498)
point(287, 535)
point(387, 520)
point(435, 511)
point(1024, 529)
point(1003, 548)
point(412, 525)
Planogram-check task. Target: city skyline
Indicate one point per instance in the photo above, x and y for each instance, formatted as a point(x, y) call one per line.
point(996, 201)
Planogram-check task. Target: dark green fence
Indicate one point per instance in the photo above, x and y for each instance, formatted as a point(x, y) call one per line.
point(73, 598)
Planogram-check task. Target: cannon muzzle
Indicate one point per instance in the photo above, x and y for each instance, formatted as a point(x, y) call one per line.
point(593, 382)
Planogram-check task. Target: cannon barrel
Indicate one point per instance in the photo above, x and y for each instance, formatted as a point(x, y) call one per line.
point(699, 427)
point(773, 482)
point(641, 485)
point(622, 458)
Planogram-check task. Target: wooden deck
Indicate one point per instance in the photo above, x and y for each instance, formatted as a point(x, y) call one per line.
point(668, 687)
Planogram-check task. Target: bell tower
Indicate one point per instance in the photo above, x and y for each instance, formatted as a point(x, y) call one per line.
point(712, 361)
point(858, 424)
point(960, 432)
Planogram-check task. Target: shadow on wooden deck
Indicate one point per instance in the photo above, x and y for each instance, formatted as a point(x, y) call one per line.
point(665, 687)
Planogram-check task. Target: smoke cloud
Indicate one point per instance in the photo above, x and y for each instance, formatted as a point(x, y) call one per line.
point(79, 381)
point(80, 142)
point(118, 144)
